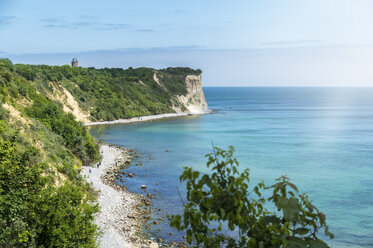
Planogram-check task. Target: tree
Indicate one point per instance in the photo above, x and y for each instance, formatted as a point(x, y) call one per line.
point(224, 200)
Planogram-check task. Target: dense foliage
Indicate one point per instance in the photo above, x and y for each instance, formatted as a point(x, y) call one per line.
point(33, 211)
point(224, 200)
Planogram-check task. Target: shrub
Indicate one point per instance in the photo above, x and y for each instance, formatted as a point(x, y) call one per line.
point(224, 199)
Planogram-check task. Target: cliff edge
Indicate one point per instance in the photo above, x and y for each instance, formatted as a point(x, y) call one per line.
point(194, 100)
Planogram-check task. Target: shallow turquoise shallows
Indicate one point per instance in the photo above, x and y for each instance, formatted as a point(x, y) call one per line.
point(322, 138)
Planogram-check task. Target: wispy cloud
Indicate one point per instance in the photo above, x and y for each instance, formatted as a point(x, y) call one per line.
point(113, 26)
point(56, 26)
point(89, 17)
point(181, 11)
point(166, 24)
point(6, 20)
point(145, 30)
point(54, 23)
point(291, 42)
point(51, 20)
point(86, 23)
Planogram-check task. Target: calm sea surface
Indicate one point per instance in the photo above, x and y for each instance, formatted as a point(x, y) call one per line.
point(322, 138)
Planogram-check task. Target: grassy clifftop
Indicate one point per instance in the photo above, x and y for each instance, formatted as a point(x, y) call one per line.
point(44, 202)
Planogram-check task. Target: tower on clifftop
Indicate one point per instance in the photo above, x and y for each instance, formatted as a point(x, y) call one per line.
point(74, 62)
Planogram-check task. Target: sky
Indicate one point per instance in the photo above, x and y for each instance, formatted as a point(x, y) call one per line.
point(235, 43)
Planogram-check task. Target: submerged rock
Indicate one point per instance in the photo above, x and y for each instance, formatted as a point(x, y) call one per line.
point(147, 202)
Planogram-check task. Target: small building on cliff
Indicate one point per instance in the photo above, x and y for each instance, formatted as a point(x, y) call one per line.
point(74, 62)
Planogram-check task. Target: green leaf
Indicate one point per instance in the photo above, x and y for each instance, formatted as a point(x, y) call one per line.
point(317, 244)
point(291, 209)
point(295, 242)
point(293, 186)
point(301, 231)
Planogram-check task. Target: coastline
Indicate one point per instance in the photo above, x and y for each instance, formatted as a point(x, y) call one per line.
point(147, 118)
point(120, 218)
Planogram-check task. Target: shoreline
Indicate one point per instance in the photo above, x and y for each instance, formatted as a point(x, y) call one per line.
point(120, 218)
point(147, 118)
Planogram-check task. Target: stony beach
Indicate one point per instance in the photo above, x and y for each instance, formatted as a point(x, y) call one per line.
point(147, 118)
point(120, 218)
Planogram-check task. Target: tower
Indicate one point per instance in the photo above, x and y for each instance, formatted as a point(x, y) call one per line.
point(74, 62)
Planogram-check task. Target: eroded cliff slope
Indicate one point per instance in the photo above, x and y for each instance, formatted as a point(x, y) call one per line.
point(192, 100)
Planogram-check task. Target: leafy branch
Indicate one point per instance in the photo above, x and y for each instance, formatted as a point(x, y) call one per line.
point(223, 199)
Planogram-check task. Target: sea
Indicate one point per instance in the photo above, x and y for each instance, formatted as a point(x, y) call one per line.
point(321, 138)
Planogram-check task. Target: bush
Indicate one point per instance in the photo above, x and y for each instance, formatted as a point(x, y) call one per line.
point(224, 199)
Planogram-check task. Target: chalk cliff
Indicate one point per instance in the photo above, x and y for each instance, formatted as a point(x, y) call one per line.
point(194, 100)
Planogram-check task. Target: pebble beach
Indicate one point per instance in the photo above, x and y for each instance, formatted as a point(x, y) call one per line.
point(120, 217)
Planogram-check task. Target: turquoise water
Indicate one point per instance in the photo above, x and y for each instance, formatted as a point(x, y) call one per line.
point(322, 138)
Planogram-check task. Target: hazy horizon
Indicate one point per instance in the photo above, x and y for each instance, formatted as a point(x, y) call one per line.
point(242, 43)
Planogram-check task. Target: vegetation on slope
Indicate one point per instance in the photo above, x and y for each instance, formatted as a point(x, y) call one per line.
point(33, 211)
point(110, 94)
point(30, 98)
point(44, 202)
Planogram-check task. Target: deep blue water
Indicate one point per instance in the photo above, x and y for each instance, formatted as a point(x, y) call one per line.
point(322, 138)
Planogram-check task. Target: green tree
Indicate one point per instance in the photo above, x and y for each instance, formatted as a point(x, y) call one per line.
point(224, 200)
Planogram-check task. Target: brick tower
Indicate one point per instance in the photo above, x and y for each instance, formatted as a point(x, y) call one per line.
point(74, 62)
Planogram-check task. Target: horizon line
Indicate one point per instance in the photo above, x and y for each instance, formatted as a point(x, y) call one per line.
point(285, 86)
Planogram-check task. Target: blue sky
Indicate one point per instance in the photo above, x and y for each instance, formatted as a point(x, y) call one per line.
point(241, 43)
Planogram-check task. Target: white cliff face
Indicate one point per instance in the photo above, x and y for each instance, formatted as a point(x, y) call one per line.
point(194, 101)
